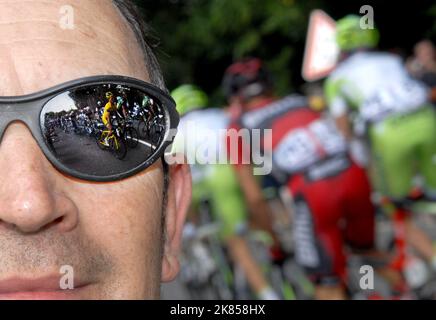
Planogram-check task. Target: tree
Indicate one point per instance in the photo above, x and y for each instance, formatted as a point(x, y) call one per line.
point(200, 38)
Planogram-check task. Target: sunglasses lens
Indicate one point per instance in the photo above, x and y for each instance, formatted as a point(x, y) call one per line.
point(103, 130)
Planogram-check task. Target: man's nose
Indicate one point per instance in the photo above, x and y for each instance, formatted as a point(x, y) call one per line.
point(29, 198)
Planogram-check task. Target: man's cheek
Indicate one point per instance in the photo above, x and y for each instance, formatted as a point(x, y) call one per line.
point(127, 216)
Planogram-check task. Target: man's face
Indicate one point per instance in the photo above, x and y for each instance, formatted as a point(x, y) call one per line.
point(425, 52)
point(110, 233)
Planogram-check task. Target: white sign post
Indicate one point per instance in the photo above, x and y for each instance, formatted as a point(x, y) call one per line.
point(321, 52)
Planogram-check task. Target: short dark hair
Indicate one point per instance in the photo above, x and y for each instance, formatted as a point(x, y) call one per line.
point(135, 20)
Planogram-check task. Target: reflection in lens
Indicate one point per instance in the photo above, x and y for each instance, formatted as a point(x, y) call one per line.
point(103, 130)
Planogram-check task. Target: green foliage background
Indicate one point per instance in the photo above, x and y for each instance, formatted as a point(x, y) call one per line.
point(200, 38)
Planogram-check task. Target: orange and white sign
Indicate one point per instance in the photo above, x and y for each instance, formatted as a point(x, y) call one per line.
point(321, 52)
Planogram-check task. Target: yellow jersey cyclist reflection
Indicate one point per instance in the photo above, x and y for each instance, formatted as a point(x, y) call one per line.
point(107, 112)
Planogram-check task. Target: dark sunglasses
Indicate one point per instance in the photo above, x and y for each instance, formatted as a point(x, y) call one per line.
point(101, 128)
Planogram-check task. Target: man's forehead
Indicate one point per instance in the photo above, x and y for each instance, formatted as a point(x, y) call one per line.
point(46, 42)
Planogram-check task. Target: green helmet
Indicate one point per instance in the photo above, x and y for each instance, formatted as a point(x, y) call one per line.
point(189, 97)
point(350, 35)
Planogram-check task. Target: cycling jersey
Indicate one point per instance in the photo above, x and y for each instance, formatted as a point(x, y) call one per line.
point(391, 110)
point(145, 101)
point(108, 108)
point(200, 137)
point(302, 140)
point(376, 84)
point(120, 102)
point(310, 158)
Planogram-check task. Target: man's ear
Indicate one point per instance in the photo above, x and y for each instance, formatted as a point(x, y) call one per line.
point(179, 199)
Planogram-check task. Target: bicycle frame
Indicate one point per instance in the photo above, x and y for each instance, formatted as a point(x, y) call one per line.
point(112, 136)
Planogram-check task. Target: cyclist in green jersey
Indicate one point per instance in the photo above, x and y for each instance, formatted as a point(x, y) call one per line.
point(216, 181)
point(373, 98)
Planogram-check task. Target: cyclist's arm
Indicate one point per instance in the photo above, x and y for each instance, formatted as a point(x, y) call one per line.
point(241, 255)
point(260, 212)
point(338, 107)
point(229, 207)
point(258, 207)
point(124, 108)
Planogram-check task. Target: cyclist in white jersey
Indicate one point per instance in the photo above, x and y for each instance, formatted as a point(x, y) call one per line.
point(373, 98)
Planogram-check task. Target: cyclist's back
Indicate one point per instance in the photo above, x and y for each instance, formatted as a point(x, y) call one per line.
point(302, 139)
point(392, 111)
point(386, 106)
point(310, 157)
point(376, 84)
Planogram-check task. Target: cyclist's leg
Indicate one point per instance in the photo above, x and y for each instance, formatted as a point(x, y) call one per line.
point(426, 131)
point(397, 144)
point(106, 121)
point(360, 223)
point(317, 235)
point(427, 151)
point(102, 136)
point(230, 210)
point(392, 160)
point(359, 231)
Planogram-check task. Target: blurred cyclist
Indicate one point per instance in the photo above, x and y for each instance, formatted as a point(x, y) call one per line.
point(422, 65)
point(122, 104)
point(309, 156)
point(373, 98)
point(216, 182)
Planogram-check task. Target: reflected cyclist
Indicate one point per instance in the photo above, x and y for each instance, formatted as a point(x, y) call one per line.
point(109, 108)
point(122, 105)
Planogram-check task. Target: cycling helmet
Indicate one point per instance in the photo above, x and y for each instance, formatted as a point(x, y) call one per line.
point(189, 97)
point(247, 78)
point(109, 95)
point(350, 35)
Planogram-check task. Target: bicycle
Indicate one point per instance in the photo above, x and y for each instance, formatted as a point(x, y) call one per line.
point(129, 133)
point(205, 270)
point(151, 129)
point(113, 141)
point(143, 118)
point(208, 273)
point(286, 277)
point(416, 281)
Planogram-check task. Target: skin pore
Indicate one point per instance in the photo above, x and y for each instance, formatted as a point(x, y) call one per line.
point(110, 233)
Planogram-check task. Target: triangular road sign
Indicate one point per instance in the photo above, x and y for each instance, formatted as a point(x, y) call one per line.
point(321, 52)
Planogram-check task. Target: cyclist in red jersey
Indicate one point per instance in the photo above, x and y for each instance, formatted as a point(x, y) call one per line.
point(331, 194)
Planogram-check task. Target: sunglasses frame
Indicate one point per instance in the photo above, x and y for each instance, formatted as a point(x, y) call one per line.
point(28, 108)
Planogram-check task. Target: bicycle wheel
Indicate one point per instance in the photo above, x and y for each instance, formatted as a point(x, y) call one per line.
point(131, 137)
point(100, 142)
point(118, 147)
point(155, 133)
point(142, 129)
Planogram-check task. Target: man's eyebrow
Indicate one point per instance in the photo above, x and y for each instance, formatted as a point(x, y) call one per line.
point(136, 22)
